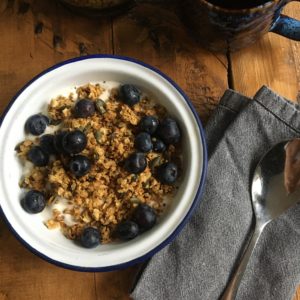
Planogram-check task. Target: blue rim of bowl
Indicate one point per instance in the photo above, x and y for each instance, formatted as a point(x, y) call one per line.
point(197, 198)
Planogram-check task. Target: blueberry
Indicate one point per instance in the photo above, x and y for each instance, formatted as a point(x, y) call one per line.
point(38, 156)
point(158, 145)
point(167, 173)
point(135, 163)
point(148, 124)
point(47, 143)
point(143, 142)
point(130, 95)
point(33, 202)
point(84, 108)
point(90, 237)
point(58, 141)
point(36, 124)
point(168, 131)
point(79, 165)
point(144, 216)
point(74, 142)
point(127, 230)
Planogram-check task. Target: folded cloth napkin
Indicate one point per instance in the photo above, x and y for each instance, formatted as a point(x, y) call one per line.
point(198, 264)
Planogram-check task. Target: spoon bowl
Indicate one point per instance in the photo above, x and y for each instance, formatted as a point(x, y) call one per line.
point(274, 189)
point(270, 195)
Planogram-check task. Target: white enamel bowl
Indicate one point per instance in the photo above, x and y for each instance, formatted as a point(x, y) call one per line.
point(33, 98)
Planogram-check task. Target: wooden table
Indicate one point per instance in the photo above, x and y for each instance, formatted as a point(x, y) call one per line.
point(38, 34)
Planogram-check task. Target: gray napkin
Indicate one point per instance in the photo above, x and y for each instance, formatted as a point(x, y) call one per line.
point(198, 264)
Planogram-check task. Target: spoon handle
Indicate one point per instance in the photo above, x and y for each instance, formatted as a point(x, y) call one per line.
point(232, 288)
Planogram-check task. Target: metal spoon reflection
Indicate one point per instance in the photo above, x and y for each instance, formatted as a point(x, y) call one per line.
point(275, 188)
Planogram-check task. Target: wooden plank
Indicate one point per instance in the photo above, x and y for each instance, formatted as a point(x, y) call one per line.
point(272, 61)
point(28, 49)
point(114, 285)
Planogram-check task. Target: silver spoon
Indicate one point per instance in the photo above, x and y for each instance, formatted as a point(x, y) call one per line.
point(274, 190)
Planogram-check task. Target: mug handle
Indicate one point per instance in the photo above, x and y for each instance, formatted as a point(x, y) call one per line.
point(287, 26)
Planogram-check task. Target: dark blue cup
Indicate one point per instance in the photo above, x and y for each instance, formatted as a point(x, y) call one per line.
point(223, 28)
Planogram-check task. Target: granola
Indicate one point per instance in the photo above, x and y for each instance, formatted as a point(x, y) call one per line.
point(108, 194)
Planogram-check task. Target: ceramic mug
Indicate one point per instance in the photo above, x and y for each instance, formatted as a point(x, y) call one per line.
point(223, 29)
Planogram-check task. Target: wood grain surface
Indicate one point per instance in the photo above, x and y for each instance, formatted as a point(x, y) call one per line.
point(272, 61)
point(38, 34)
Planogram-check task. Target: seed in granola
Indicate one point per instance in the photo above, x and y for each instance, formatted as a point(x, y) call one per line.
point(142, 142)
point(135, 177)
point(148, 124)
point(90, 237)
point(33, 202)
point(130, 94)
point(136, 163)
point(96, 156)
point(127, 230)
point(135, 200)
point(55, 122)
point(146, 185)
point(38, 156)
point(22, 182)
point(98, 136)
point(91, 178)
point(87, 128)
point(79, 165)
point(154, 163)
point(36, 124)
point(73, 186)
point(52, 200)
point(74, 142)
point(100, 105)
